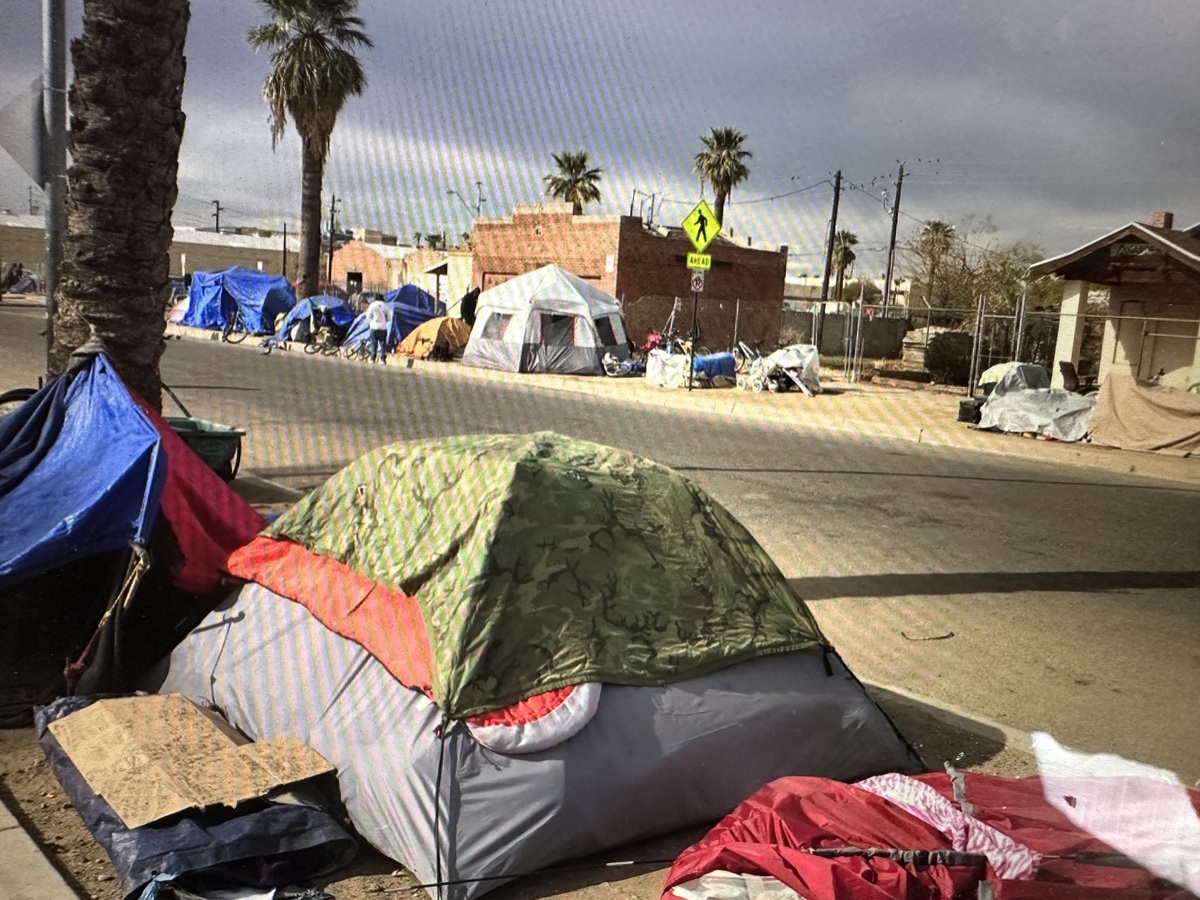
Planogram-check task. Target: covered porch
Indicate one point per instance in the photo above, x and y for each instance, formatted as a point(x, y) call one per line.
point(1152, 321)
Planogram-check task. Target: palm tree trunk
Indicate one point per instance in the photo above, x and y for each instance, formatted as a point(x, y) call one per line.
point(312, 175)
point(719, 205)
point(126, 126)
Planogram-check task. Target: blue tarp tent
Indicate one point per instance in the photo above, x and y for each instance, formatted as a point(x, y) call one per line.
point(410, 305)
point(335, 309)
point(114, 538)
point(58, 511)
point(214, 296)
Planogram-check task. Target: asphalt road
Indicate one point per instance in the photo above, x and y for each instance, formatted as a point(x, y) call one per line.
point(1044, 597)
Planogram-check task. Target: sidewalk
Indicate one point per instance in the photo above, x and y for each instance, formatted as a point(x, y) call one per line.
point(25, 873)
point(867, 410)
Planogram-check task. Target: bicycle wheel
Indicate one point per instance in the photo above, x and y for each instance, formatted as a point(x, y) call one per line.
point(235, 329)
point(11, 401)
point(311, 346)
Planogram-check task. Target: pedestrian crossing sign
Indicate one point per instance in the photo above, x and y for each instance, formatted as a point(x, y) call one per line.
point(701, 226)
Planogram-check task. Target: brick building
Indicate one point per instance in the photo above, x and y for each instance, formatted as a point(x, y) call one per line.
point(361, 266)
point(643, 267)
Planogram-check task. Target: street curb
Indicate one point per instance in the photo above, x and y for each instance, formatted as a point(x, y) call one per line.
point(982, 727)
point(25, 871)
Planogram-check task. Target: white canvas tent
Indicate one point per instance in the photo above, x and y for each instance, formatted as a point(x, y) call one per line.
point(547, 320)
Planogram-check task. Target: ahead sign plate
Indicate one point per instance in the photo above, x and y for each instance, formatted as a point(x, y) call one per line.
point(699, 261)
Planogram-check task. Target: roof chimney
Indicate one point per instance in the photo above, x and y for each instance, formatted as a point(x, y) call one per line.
point(1163, 220)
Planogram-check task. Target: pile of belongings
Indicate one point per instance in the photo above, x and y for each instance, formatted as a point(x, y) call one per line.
point(1138, 415)
point(797, 365)
point(1022, 402)
point(522, 649)
point(107, 566)
point(623, 368)
point(1130, 833)
point(670, 370)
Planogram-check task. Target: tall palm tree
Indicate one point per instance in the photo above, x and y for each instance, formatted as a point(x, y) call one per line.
point(936, 239)
point(722, 163)
point(126, 126)
point(313, 73)
point(574, 182)
point(843, 259)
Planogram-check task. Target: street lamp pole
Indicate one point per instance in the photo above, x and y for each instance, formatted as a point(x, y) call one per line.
point(479, 199)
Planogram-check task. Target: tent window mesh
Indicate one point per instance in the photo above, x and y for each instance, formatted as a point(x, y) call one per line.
point(558, 331)
point(495, 326)
point(604, 329)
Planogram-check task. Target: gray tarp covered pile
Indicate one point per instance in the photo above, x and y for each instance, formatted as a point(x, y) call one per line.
point(1136, 415)
point(1051, 412)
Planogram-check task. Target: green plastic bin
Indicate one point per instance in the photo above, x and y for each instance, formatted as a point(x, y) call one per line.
point(220, 446)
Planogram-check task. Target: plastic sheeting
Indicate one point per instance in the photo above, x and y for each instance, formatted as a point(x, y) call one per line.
point(58, 511)
point(64, 553)
point(653, 759)
point(267, 845)
point(335, 310)
point(1136, 415)
point(411, 307)
point(801, 359)
point(214, 296)
point(1051, 412)
point(770, 833)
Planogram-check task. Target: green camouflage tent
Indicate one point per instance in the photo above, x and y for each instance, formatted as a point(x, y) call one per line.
point(539, 562)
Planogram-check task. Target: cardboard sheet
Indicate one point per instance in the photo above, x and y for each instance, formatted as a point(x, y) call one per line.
point(154, 756)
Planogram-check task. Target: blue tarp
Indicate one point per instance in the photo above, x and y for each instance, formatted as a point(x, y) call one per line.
point(410, 305)
point(271, 845)
point(334, 308)
point(214, 296)
point(81, 473)
point(715, 364)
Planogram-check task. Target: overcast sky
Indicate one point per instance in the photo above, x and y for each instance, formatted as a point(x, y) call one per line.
point(1059, 119)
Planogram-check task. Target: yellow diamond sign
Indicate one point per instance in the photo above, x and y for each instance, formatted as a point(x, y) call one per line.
point(701, 226)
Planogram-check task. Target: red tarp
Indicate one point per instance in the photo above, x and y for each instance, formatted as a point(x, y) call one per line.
point(767, 835)
point(208, 519)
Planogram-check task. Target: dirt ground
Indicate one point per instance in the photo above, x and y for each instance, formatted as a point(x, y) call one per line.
point(30, 790)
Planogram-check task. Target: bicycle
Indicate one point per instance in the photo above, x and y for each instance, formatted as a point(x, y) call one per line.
point(11, 401)
point(235, 331)
point(358, 352)
point(326, 341)
point(744, 355)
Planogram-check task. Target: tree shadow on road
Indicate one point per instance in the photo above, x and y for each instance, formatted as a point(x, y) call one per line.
point(941, 584)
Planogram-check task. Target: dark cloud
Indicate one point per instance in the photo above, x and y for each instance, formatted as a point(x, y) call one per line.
point(1060, 120)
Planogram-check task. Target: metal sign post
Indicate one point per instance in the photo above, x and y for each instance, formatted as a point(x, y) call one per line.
point(697, 287)
point(701, 227)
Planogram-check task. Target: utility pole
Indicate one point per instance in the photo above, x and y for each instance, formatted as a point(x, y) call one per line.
point(891, 258)
point(819, 322)
point(285, 249)
point(332, 230)
point(54, 152)
point(479, 198)
point(217, 215)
